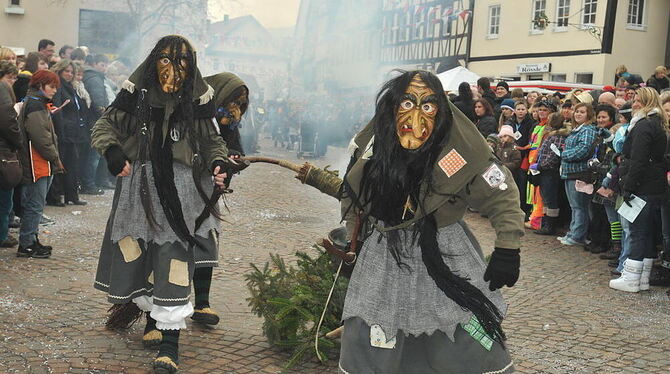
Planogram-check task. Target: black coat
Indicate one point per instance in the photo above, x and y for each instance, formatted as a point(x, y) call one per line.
point(487, 125)
point(658, 84)
point(468, 108)
point(525, 128)
point(643, 169)
point(71, 123)
point(490, 96)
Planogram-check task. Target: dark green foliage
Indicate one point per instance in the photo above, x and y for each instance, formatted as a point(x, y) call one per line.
point(291, 299)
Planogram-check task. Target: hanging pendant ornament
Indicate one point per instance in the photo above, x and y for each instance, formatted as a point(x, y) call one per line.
point(174, 135)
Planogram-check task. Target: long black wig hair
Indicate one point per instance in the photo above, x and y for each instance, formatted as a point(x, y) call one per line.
point(394, 173)
point(160, 148)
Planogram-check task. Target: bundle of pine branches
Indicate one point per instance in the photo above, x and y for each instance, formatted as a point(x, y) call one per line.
point(290, 299)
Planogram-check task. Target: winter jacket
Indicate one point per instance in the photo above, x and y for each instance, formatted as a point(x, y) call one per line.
point(579, 146)
point(21, 85)
point(659, 84)
point(467, 107)
point(487, 125)
point(490, 96)
point(39, 153)
point(548, 160)
point(509, 156)
point(10, 136)
point(643, 169)
point(71, 122)
point(94, 82)
point(525, 128)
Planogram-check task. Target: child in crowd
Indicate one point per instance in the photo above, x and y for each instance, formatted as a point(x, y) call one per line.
point(507, 152)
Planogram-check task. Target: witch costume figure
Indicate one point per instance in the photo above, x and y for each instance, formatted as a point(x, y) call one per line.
point(160, 139)
point(421, 298)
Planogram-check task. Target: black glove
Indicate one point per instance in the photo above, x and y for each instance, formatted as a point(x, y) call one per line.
point(627, 197)
point(116, 159)
point(234, 152)
point(503, 268)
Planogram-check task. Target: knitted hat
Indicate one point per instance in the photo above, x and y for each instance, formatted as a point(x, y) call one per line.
point(506, 130)
point(493, 138)
point(503, 84)
point(507, 104)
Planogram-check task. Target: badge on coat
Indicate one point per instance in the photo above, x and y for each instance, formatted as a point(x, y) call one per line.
point(452, 162)
point(495, 177)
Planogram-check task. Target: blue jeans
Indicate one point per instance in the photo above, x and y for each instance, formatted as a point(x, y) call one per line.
point(579, 203)
point(6, 203)
point(642, 230)
point(90, 165)
point(32, 201)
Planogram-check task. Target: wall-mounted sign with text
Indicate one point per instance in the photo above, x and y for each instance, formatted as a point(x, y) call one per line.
point(544, 67)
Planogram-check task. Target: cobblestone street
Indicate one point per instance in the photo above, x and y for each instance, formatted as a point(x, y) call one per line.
point(562, 317)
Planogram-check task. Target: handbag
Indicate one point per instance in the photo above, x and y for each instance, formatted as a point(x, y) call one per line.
point(11, 171)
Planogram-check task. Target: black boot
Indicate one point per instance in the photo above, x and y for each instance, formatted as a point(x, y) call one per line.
point(152, 336)
point(167, 361)
point(46, 247)
point(548, 226)
point(34, 250)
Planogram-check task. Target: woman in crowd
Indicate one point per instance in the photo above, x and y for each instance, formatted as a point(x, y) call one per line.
point(71, 129)
point(549, 161)
point(605, 227)
point(485, 122)
point(39, 158)
point(543, 109)
point(579, 147)
point(643, 175)
point(10, 143)
point(522, 124)
point(464, 101)
point(7, 54)
point(34, 63)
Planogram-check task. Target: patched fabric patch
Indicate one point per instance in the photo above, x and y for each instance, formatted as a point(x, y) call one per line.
point(478, 333)
point(452, 162)
point(494, 176)
point(130, 249)
point(378, 338)
point(150, 279)
point(179, 273)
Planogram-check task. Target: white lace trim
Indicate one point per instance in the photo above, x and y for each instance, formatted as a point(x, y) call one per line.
point(207, 96)
point(128, 86)
point(131, 294)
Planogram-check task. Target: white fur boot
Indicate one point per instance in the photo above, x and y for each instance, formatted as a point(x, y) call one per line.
point(647, 263)
point(630, 277)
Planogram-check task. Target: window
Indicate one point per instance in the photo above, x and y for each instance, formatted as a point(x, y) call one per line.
point(15, 3)
point(535, 77)
point(494, 21)
point(585, 78)
point(635, 13)
point(539, 11)
point(562, 13)
point(558, 77)
point(589, 12)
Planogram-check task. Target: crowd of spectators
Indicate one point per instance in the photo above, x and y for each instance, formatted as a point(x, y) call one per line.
point(584, 161)
point(49, 103)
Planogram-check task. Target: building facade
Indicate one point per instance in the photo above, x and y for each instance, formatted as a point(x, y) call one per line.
point(243, 46)
point(127, 28)
point(579, 41)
